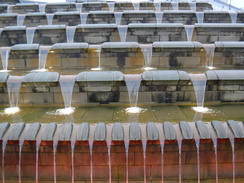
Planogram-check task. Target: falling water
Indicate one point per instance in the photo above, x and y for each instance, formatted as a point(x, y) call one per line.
point(42, 8)
point(216, 158)
point(133, 82)
point(233, 16)
point(43, 53)
point(157, 6)
point(175, 5)
point(55, 144)
point(70, 32)
point(189, 31)
point(4, 52)
point(147, 53)
point(144, 146)
point(91, 162)
point(78, 7)
point(4, 143)
point(13, 85)
point(127, 159)
point(200, 17)
point(21, 19)
point(159, 16)
point(209, 52)
point(38, 143)
point(111, 6)
point(49, 18)
point(67, 83)
point(118, 16)
point(98, 50)
point(197, 141)
point(10, 8)
point(30, 32)
point(232, 141)
point(136, 5)
point(180, 168)
point(162, 159)
point(109, 161)
point(199, 83)
point(122, 29)
point(72, 159)
point(193, 6)
point(21, 142)
point(83, 17)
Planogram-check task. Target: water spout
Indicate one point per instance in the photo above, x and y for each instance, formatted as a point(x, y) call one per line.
point(216, 158)
point(111, 6)
point(21, 142)
point(70, 32)
point(10, 8)
point(233, 16)
point(21, 19)
point(118, 16)
point(197, 141)
point(83, 17)
point(42, 8)
point(79, 7)
point(72, 159)
point(49, 18)
point(209, 52)
point(147, 53)
point(232, 142)
point(30, 32)
point(98, 50)
point(43, 53)
point(189, 31)
point(122, 29)
point(157, 6)
point(180, 161)
point(55, 144)
point(200, 17)
point(38, 143)
point(4, 52)
point(4, 143)
point(159, 16)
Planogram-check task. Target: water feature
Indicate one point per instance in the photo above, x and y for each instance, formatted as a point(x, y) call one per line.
point(122, 29)
point(193, 6)
point(133, 82)
point(189, 31)
point(197, 141)
point(159, 16)
point(215, 142)
point(91, 162)
point(209, 52)
point(199, 83)
point(200, 17)
point(162, 159)
point(98, 50)
point(78, 7)
point(4, 52)
point(83, 17)
point(175, 5)
point(21, 19)
point(67, 83)
point(4, 143)
point(232, 142)
point(21, 142)
point(38, 143)
point(43, 53)
point(180, 161)
point(55, 144)
point(118, 16)
point(72, 159)
point(49, 18)
point(136, 6)
point(10, 8)
point(30, 32)
point(157, 6)
point(70, 32)
point(42, 8)
point(13, 85)
point(111, 6)
point(109, 161)
point(126, 142)
point(147, 53)
point(233, 16)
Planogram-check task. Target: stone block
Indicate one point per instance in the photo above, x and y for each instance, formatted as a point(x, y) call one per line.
point(232, 96)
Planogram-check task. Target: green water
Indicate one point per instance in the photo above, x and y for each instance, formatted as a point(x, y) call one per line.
point(111, 114)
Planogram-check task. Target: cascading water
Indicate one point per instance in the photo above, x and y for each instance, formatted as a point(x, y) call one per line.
point(209, 50)
point(109, 161)
point(175, 5)
point(197, 141)
point(193, 6)
point(199, 83)
point(189, 31)
point(233, 16)
point(111, 6)
point(98, 50)
point(159, 16)
point(122, 29)
point(200, 17)
point(4, 52)
point(4, 143)
point(232, 142)
point(216, 158)
point(162, 159)
point(157, 6)
point(126, 142)
point(30, 32)
point(67, 83)
point(38, 143)
point(70, 32)
point(118, 16)
point(147, 53)
point(78, 7)
point(13, 85)
point(91, 162)
point(43, 53)
point(83, 17)
point(21, 19)
point(136, 6)
point(49, 18)
point(180, 161)
point(55, 144)
point(72, 159)
point(133, 82)
point(10, 8)
point(21, 142)
point(42, 8)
